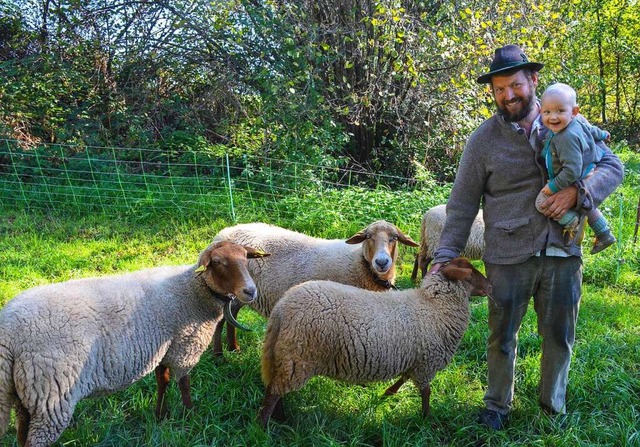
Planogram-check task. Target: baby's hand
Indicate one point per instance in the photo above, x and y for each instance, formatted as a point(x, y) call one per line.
point(547, 191)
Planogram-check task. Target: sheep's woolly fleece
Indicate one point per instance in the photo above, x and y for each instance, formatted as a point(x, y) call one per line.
point(339, 331)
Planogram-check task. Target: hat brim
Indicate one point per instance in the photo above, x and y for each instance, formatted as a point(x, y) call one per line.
point(486, 78)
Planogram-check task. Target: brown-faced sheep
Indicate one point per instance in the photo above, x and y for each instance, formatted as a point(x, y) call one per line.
point(60, 343)
point(342, 332)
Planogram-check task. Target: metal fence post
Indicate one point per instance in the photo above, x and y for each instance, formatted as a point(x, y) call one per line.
point(233, 212)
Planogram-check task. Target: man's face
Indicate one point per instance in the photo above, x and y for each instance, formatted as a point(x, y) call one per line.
point(514, 94)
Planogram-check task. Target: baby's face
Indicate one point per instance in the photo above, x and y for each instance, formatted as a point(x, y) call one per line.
point(556, 112)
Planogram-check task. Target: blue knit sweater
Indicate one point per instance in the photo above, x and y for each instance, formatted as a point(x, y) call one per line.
point(570, 154)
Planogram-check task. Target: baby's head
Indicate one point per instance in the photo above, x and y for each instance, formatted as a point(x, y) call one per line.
point(558, 106)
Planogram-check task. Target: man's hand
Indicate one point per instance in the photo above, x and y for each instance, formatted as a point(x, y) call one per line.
point(558, 204)
point(435, 268)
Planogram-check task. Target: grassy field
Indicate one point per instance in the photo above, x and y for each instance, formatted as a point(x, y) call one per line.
point(604, 391)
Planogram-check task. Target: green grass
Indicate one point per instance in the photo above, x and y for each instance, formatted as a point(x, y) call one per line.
point(604, 391)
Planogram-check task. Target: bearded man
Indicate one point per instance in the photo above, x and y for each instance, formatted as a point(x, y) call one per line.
point(526, 255)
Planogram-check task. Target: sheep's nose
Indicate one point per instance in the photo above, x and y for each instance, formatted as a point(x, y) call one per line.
point(250, 292)
point(382, 263)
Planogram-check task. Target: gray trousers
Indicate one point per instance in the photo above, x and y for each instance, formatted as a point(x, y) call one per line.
point(555, 284)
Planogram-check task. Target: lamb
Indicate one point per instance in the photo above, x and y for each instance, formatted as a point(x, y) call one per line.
point(60, 343)
point(430, 231)
point(366, 260)
point(358, 336)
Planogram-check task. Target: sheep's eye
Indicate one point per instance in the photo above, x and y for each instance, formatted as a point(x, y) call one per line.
point(216, 261)
point(393, 238)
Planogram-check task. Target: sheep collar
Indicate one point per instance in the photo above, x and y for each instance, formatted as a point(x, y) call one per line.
point(226, 310)
point(384, 282)
point(381, 282)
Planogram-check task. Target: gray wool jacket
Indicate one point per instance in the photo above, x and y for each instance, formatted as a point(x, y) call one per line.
point(501, 170)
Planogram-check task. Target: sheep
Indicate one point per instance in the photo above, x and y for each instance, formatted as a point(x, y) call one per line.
point(366, 260)
point(358, 336)
point(430, 231)
point(60, 343)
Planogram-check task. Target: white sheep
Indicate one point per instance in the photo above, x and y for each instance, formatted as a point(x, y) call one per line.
point(366, 260)
point(60, 343)
point(430, 231)
point(342, 332)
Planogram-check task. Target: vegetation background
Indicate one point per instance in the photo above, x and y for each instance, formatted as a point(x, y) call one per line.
point(336, 113)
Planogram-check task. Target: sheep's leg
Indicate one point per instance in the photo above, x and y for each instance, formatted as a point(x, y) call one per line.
point(22, 422)
point(426, 396)
point(217, 339)
point(44, 429)
point(185, 391)
point(272, 403)
point(278, 411)
point(425, 265)
point(393, 389)
point(232, 341)
point(162, 380)
point(414, 273)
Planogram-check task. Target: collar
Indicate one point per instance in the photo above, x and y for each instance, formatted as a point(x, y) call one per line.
point(220, 297)
point(381, 282)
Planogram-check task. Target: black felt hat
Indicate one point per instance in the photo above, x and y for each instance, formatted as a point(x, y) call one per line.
point(507, 58)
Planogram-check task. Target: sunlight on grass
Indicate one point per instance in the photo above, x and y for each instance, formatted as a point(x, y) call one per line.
point(604, 390)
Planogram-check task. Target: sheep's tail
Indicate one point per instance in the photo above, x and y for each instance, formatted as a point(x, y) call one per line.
point(268, 350)
point(7, 388)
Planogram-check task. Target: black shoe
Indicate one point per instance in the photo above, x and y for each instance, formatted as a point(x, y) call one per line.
point(493, 419)
point(602, 242)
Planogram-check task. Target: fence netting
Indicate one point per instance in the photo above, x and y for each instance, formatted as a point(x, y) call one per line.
point(122, 180)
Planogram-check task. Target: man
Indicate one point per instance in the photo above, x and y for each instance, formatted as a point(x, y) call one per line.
point(525, 255)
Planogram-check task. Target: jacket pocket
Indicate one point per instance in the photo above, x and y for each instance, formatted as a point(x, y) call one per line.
point(510, 238)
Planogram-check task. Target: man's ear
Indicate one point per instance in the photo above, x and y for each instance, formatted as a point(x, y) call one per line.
point(534, 79)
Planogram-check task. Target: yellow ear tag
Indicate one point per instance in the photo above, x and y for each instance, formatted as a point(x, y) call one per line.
point(200, 269)
point(260, 253)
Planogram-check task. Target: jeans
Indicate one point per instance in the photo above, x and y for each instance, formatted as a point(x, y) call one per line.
point(555, 285)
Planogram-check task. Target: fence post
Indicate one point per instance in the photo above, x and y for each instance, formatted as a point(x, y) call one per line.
point(619, 242)
point(635, 231)
point(233, 212)
point(15, 171)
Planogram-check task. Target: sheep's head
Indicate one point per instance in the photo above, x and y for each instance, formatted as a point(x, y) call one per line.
point(223, 265)
point(460, 269)
point(380, 247)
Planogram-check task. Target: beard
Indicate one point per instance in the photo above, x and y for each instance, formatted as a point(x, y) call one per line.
point(527, 105)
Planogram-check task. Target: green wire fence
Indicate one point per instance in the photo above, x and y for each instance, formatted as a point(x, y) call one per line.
point(145, 180)
point(160, 182)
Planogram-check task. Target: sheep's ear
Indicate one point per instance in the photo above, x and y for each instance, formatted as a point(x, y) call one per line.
point(253, 253)
point(357, 238)
point(203, 262)
point(406, 240)
point(455, 273)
